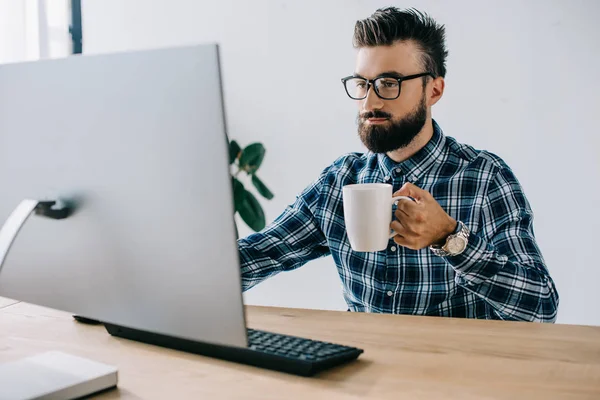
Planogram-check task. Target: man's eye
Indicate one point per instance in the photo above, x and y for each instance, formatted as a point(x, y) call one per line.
point(361, 85)
point(389, 83)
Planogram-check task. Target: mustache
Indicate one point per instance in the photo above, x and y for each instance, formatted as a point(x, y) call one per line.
point(375, 114)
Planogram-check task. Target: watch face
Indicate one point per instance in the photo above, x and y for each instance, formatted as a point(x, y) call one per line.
point(456, 245)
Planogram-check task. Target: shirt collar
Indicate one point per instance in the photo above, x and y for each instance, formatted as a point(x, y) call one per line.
point(417, 165)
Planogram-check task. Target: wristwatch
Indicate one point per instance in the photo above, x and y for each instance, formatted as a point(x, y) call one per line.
point(455, 244)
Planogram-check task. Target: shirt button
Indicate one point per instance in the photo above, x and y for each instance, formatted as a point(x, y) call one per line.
point(393, 248)
point(390, 293)
point(398, 170)
point(387, 178)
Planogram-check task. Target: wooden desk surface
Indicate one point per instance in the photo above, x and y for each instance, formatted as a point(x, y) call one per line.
point(405, 357)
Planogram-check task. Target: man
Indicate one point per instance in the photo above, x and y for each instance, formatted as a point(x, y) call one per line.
point(465, 248)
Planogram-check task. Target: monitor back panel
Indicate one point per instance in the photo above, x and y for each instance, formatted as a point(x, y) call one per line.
point(136, 141)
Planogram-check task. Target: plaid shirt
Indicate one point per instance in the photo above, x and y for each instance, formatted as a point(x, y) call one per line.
point(500, 275)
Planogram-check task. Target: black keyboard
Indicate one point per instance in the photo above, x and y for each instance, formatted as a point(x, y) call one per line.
point(291, 354)
point(298, 355)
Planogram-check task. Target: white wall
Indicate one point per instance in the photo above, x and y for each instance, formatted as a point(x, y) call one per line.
point(12, 31)
point(521, 83)
point(34, 29)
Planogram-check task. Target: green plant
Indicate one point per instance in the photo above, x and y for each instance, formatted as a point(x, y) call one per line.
point(248, 161)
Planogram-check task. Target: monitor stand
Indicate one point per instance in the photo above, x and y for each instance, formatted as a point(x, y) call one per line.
point(11, 228)
point(224, 352)
point(86, 320)
point(229, 353)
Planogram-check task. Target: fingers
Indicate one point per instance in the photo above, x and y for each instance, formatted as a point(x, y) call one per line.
point(407, 207)
point(405, 228)
point(401, 212)
point(409, 189)
point(402, 237)
point(398, 228)
point(404, 242)
point(405, 237)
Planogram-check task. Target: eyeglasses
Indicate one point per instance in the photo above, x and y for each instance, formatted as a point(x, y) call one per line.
point(386, 87)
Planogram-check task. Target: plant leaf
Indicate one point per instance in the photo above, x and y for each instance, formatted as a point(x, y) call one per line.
point(239, 194)
point(252, 213)
point(261, 188)
point(234, 151)
point(252, 157)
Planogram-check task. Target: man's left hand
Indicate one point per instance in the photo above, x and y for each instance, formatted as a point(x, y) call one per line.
point(422, 223)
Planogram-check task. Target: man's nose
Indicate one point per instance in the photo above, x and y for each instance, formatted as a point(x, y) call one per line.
point(372, 101)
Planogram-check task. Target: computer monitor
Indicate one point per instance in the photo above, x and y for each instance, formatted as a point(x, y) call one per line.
point(132, 145)
point(136, 142)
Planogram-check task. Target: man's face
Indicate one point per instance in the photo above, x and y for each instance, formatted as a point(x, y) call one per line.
point(387, 125)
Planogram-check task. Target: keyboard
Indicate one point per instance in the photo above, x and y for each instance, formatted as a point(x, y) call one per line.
point(284, 353)
point(298, 355)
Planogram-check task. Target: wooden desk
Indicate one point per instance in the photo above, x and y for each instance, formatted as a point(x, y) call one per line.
point(405, 358)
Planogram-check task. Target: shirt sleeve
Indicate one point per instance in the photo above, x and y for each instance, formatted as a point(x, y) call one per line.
point(502, 263)
point(290, 241)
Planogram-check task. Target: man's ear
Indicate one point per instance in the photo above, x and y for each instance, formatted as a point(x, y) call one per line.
point(436, 90)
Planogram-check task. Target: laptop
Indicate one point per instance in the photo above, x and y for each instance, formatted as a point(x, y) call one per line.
point(117, 204)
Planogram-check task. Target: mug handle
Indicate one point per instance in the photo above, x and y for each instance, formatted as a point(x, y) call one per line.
point(394, 200)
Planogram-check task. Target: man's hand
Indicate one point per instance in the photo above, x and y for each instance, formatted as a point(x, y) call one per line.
point(422, 223)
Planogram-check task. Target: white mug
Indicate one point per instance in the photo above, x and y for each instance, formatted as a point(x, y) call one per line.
point(368, 215)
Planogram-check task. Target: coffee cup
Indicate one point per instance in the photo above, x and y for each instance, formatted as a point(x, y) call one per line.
point(367, 215)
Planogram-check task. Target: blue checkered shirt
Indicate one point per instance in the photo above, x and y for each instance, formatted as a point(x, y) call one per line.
point(500, 275)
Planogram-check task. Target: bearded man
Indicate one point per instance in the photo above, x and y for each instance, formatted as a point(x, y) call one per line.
point(464, 248)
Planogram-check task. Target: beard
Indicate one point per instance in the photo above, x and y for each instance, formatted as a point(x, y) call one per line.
point(393, 135)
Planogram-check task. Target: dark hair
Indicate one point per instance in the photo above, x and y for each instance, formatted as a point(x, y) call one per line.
point(389, 25)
